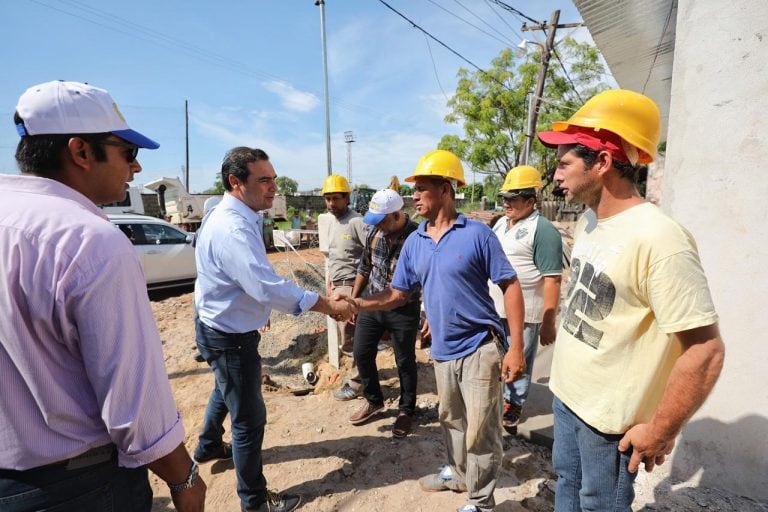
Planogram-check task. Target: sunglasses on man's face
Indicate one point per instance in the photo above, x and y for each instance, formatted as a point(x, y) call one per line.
point(130, 155)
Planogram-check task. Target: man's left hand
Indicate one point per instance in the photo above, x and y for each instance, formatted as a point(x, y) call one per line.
point(647, 447)
point(547, 333)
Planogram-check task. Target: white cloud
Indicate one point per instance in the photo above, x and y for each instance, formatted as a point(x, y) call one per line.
point(292, 98)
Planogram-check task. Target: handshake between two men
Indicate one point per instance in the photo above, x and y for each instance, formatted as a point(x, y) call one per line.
point(339, 307)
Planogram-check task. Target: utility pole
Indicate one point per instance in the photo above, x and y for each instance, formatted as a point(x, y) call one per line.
point(546, 54)
point(321, 4)
point(349, 138)
point(186, 144)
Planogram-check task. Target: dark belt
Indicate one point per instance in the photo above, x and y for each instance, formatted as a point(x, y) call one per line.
point(92, 457)
point(344, 282)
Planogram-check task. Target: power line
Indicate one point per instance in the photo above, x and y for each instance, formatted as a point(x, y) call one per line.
point(434, 67)
point(512, 9)
point(517, 34)
point(658, 46)
point(567, 76)
point(481, 20)
point(117, 24)
point(413, 23)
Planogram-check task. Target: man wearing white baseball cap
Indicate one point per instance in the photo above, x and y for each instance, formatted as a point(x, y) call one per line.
point(391, 227)
point(86, 406)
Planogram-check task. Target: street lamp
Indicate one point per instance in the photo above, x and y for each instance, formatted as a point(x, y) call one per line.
point(522, 48)
point(349, 138)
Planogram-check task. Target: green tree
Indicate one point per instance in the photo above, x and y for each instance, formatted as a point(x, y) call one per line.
point(217, 188)
point(492, 106)
point(405, 190)
point(491, 185)
point(286, 185)
point(472, 191)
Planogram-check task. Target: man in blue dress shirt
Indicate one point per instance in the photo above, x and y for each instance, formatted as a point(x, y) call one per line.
point(236, 290)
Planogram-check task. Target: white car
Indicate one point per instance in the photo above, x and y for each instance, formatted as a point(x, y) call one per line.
point(165, 251)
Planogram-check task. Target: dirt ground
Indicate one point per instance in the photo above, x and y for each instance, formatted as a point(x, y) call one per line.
point(311, 449)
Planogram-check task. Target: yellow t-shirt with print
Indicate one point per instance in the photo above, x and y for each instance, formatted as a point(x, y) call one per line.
point(635, 280)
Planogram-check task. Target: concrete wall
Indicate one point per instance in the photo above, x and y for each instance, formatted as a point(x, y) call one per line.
point(716, 184)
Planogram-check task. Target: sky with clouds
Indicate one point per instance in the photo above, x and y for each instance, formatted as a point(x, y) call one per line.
point(252, 73)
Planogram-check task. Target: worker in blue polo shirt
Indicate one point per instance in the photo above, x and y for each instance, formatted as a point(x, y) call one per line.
point(452, 258)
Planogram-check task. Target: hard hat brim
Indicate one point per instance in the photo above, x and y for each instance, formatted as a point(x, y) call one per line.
point(552, 139)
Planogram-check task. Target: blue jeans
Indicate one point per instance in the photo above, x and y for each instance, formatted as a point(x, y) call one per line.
point(403, 324)
point(236, 365)
point(53, 488)
point(592, 473)
point(517, 391)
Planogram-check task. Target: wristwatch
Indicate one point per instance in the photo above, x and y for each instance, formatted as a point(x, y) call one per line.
point(188, 483)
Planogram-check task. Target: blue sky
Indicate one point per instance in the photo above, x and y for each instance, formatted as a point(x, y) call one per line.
point(252, 72)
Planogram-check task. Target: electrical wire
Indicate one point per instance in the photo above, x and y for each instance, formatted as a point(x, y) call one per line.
point(413, 23)
point(567, 76)
point(515, 11)
point(672, 6)
point(434, 67)
point(481, 20)
point(120, 25)
point(515, 32)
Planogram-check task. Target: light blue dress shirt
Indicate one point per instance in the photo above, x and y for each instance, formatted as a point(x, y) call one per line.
point(236, 287)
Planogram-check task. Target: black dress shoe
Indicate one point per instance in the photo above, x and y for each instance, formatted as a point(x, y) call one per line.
point(224, 452)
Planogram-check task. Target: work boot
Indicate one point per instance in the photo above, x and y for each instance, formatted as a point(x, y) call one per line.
point(365, 413)
point(277, 503)
point(223, 452)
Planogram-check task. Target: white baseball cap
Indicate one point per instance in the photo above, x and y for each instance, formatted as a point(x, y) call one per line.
point(61, 107)
point(383, 202)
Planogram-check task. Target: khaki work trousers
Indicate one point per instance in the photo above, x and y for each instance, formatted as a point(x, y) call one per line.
point(469, 390)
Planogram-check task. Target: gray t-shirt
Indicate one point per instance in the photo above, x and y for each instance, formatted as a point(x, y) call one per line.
point(347, 239)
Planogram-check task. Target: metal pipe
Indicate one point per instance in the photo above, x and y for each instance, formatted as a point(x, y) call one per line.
point(321, 4)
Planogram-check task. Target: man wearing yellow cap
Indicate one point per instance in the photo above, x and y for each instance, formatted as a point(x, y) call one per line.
point(638, 349)
point(535, 250)
point(451, 259)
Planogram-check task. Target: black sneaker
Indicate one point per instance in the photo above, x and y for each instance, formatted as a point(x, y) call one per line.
point(223, 452)
point(277, 503)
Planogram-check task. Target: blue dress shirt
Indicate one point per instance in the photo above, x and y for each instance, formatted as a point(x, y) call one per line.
point(236, 287)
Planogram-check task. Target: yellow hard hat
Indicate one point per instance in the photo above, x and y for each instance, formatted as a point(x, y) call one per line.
point(520, 177)
point(441, 164)
point(335, 183)
point(632, 116)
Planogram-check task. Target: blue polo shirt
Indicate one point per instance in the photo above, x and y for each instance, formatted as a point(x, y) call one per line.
point(453, 275)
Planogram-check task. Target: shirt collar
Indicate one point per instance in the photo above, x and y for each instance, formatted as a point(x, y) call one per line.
point(49, 187)
point(460, 221)
point(231, 202)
